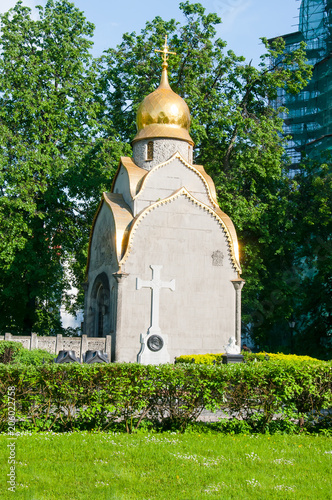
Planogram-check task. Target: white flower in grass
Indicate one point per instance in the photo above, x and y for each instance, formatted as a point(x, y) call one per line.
point(327, 452)
point(283, 461)
point(207, 462)
point(210, 461)
point(283, 487)
point(253, 482)
point(215, 488)
point(100, 484)
point(252, 456)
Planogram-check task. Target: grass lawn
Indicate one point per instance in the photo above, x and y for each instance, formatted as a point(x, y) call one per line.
point(168, 466)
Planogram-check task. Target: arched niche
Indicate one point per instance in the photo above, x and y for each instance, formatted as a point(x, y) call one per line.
point(101, 306)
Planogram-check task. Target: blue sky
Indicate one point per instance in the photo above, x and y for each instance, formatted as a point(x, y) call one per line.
point(244, 21)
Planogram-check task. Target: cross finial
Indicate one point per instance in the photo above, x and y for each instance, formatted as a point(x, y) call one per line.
point(165, 52)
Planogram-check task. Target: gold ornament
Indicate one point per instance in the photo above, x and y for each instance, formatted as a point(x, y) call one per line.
point(163, 113)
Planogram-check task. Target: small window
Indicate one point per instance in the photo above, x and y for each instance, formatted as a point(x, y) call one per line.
point(149, 151)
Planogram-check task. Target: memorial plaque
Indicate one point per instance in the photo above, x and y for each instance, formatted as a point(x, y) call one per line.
point(155, 343)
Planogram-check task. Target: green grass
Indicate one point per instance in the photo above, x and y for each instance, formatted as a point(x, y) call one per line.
point(168, 466)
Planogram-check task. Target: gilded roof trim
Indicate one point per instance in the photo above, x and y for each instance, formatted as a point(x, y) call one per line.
point(90, 236)
point(233, 245)
point(160, 130)
point(135, 174)
point(122, 217)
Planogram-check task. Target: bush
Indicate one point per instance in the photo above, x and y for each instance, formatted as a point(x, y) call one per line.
point(9, 351)
point(265, 397)
point(35, 357)
point(12, 352)
point(205, 359)
point(267, 356)
point(212, 359)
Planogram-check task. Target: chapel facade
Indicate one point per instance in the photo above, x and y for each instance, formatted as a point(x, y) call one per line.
point(163, 274)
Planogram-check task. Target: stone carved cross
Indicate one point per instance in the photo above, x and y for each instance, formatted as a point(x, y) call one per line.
point(156, 285)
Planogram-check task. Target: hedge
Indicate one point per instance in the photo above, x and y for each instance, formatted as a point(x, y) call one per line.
point(12, 352)
point(211, 359)
point(274, 395)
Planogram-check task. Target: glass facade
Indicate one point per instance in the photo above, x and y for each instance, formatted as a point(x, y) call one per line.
point(309, 121)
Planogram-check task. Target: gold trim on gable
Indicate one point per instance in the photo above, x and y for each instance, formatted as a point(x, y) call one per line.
point(198, 169)
point(233, 244)
point(122, 217)
point(135, 174)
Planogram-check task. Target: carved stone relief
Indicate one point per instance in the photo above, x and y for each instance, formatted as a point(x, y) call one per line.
point(217, 258)
point(97, 345)
point(72, 345)
point(102, 247)
point(48, 346)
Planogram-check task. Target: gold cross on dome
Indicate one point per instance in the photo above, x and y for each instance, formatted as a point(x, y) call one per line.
point(165, 52)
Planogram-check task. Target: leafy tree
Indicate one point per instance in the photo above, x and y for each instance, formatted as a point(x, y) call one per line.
point(313, 256)
point(55, 157)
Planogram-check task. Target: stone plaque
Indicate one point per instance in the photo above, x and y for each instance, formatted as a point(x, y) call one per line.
point(217, 258)
point(97, 345)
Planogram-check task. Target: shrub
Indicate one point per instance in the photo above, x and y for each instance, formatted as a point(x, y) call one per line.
point(205, 359)
point(266, 356)
point(12, 352)
point(266, 397)
point(9, 351)
point(34, 357)
point(210, 359)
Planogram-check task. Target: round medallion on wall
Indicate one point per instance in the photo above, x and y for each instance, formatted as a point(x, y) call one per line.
point(155, 343)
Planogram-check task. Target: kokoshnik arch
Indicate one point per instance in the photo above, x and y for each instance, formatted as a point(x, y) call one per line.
point(163, 274)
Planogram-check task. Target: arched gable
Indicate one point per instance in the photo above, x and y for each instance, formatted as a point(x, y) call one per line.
point(201, 183)
point(231, 238)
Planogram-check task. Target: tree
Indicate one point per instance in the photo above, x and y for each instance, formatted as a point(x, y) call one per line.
point(313, 257)
point(56, 155)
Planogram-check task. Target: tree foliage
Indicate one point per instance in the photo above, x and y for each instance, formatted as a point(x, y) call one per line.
point(54, 158)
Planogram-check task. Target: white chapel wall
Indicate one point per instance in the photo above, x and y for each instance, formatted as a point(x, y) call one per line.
point(103, 263)
point(199, 316)
point(163, 181)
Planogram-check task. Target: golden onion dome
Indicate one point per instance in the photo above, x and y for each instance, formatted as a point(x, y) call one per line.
point(163, 113)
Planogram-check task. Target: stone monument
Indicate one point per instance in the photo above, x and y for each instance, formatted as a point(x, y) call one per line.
point(163, 274)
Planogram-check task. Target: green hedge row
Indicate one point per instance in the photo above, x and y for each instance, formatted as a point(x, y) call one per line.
point(212, 359)
point(264, 396)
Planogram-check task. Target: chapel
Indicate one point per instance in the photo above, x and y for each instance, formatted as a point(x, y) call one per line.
point(163, 272)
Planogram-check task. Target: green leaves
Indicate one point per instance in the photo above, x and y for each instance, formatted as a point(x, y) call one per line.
point(77, 396)
point(51, 128)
